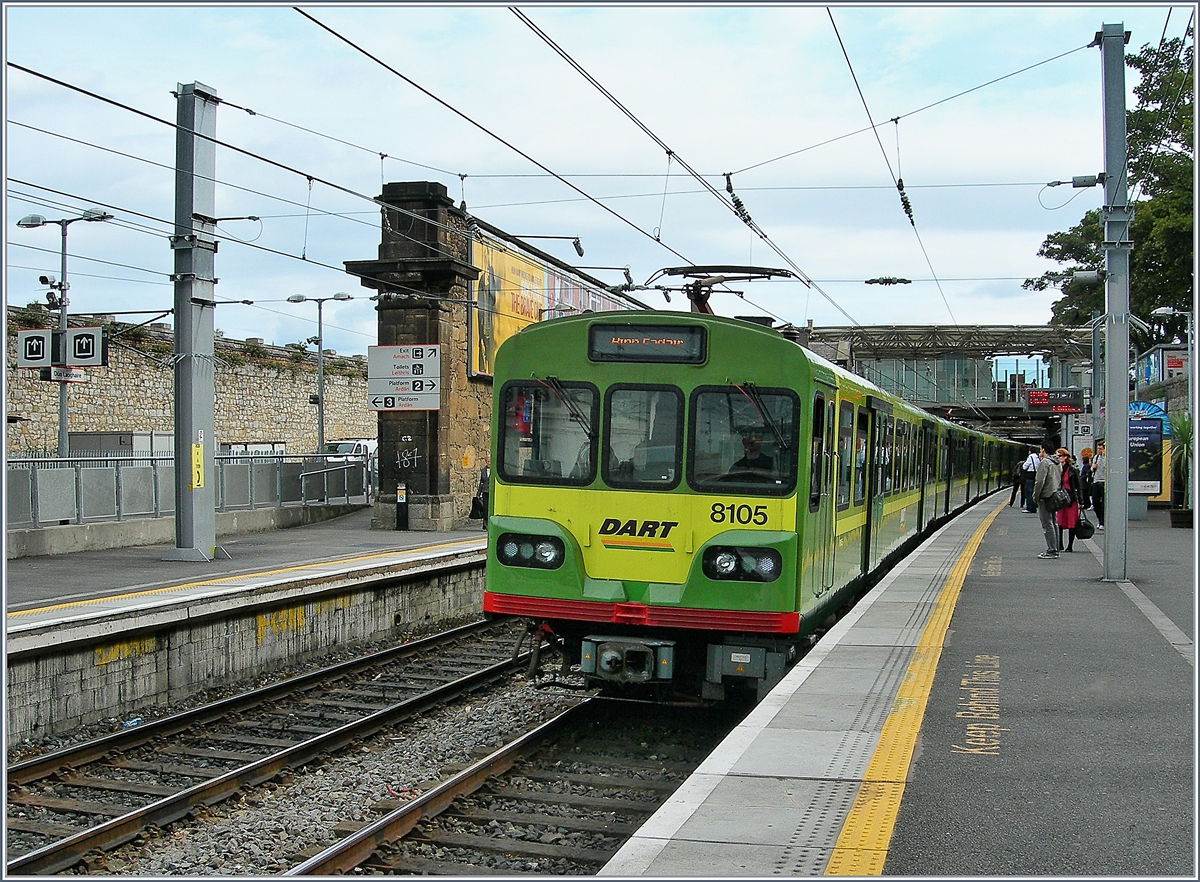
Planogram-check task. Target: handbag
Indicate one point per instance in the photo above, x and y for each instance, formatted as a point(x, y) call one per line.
point(1085, 529)
point(477, 509)
point(1058, 500)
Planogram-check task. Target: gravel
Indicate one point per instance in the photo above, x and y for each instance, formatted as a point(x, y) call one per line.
point(268, 829)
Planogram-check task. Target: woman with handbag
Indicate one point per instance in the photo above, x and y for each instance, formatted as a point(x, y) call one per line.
point(1068, 518)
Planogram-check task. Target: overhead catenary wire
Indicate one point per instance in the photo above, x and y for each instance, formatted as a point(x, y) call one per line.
point(899, 182)
point(402, 291)
point(912, 112)
point(730, 204)
point(489, 132)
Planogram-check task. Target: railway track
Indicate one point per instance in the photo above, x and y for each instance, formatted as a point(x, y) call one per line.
point(559, 800)
point(63, 806)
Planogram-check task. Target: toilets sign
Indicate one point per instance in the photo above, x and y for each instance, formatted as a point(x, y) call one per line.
point(404, 377)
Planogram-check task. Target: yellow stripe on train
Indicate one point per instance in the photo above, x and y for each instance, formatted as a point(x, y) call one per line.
point(612, 526)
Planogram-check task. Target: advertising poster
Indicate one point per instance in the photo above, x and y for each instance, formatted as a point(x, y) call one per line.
point(514, 291)
point(1145, 457)
point(510, 293)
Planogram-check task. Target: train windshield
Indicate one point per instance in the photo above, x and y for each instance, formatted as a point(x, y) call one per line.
point(643, 437)
point(744, 440)
point(548, 432)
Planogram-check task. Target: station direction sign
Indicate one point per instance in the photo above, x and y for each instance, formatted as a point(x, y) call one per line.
point(35, 348)
point(404, 377)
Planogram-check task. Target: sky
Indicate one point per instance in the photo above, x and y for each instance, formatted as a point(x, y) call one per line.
point(767, 93)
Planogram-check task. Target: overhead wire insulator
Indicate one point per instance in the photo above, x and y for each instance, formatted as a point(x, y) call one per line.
point(904, 203)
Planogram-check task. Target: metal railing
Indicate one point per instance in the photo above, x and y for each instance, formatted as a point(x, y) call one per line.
point(49, 491)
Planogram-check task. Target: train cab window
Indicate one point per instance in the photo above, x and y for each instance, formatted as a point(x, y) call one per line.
point(743, 440)
point(643, 437)
point(845, 459)
point(548, 432)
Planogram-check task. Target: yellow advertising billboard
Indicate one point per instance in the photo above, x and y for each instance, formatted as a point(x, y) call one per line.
point(515, 290)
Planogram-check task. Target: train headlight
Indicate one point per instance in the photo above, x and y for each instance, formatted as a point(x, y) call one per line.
point(728, 563)
point(725, 563)
point(549, 554)
point(538, 552)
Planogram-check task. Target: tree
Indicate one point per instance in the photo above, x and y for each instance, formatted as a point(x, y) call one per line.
point(1159, 141)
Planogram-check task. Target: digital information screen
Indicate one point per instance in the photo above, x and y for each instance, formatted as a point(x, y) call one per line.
point(1054, 400)
point(646, 343)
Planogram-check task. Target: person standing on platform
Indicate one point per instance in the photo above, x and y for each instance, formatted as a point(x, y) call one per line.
point(1045, 482)
point(1085, 478)
point(1028, 501)
point(1068, 518)
point(1099, 472)
point(1018, 482)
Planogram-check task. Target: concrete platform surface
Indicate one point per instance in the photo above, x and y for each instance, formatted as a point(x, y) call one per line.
point(980, 713)
point(54, 579)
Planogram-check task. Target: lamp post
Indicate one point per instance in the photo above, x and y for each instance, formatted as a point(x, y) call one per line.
point(32, 221)
point(320, 301)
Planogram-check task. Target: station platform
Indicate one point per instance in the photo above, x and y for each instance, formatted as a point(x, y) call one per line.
point(980, 712)
point(66, 589)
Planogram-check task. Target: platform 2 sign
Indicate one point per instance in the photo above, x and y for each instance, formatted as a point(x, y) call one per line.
point(404, 377)
point(1145, 457)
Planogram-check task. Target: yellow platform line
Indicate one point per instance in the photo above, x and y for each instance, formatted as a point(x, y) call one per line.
point(862, 844)
point(238, 577)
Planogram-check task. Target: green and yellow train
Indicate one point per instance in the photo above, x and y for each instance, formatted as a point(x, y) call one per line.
point(684, 501)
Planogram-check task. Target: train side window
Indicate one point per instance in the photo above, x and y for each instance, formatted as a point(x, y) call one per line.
point(817, 460)
point(860, 456)
point(548, 432)
point(845, 460)
point(743, 440)
point(643, 437)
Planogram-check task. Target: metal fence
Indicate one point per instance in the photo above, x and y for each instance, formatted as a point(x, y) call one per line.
point(48, 491)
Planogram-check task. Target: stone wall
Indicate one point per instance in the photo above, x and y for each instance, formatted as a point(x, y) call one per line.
point(261, 393)
point(62, 677)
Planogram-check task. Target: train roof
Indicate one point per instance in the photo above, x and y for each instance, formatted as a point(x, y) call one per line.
point(844, 375)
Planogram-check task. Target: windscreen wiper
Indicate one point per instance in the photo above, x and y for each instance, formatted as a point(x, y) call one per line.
point(572, 406)
point(751, 392)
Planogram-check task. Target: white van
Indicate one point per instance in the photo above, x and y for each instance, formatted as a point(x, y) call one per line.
point(351, 447)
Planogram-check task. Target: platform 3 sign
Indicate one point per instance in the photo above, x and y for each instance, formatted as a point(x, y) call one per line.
point(404, 377)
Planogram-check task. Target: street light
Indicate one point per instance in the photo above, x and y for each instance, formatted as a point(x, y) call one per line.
point(32, 221)
point(320, 301)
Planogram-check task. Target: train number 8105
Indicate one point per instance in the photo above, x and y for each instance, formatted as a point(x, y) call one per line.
point(736, 513)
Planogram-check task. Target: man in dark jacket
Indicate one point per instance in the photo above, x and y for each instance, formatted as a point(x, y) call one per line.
point(1045, 482)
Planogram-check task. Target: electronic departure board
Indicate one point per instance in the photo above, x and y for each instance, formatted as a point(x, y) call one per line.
point(678, 344)
point(1054, 400)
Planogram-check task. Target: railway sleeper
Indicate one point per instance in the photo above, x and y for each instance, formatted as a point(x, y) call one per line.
point(514, 847)
point(616, 782)
point(609, 826)
point(603, 803)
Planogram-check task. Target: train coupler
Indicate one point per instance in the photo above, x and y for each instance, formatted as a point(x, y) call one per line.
point(627, 660)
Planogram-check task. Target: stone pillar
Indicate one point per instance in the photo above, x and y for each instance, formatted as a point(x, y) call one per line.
point(422, 276)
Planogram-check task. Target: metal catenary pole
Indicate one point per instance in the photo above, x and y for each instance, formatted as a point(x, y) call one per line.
point(1115, 216)
point(195, 248)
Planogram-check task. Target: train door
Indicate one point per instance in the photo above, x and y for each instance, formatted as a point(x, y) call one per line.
point(946, 471)
point(869, 435)
point(821, 502)
point(924, 473)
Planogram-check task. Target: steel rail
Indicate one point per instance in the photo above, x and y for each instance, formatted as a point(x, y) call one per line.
point(41, 766)
point(353, 850)
point(64, 854)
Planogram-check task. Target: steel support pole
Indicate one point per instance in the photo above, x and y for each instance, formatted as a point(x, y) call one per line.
point(64, 439)
point(1115, 218)
point(320, 377)
point(195, 247)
